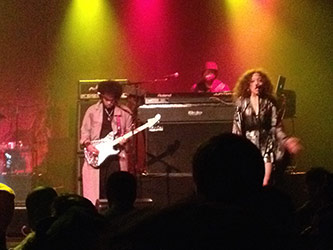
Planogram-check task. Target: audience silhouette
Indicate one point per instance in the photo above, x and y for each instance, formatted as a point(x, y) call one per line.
point(228, 171)
point(316, 181)
point(121, 194)
point(38, 204)
point(7, 197)
point(315, 217)
point(77, 224)
point(230, 210)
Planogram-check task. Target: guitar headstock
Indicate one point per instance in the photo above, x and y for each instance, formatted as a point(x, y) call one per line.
point(152, 121)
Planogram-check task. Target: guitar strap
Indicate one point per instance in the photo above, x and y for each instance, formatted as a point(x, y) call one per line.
point(119, 132)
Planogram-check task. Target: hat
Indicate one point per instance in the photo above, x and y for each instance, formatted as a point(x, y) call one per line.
point(7, 189)
point(211, 65)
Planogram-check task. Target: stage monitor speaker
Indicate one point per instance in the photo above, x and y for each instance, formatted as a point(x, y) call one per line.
point(294, 185)
point(171, 146)
point(102, 204)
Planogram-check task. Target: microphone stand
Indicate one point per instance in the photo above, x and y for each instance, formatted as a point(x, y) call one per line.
point(135, 113)
point(135, 141)
point(16, 116)
point(135, 123)
point(259, 121)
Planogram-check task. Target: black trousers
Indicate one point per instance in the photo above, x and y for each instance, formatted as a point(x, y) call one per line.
point(109, 166)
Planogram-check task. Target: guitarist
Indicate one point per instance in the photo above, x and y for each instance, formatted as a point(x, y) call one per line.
point(99, 120)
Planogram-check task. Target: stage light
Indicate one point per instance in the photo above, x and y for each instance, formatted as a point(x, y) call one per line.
point(87, 9)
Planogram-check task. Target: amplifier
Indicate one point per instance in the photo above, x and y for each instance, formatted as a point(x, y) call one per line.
point(205, 112)
point(170, 145)
point(87, 89)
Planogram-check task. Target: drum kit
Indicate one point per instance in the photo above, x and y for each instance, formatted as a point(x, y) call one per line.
point(13, 153)
point(12, 160)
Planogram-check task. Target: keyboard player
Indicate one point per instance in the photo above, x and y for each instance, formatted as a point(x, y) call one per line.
point(209, 81)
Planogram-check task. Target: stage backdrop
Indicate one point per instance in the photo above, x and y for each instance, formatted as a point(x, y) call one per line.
point(46, 47)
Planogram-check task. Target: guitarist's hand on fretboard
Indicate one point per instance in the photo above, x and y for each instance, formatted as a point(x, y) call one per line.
point(123, 142)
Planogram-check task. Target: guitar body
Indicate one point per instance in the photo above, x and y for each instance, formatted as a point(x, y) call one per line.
point(106, 145)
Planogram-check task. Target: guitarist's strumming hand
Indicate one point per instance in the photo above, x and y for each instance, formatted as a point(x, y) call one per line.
point(92, 149)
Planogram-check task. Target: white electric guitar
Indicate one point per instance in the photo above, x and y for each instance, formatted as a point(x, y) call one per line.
point(105, 146)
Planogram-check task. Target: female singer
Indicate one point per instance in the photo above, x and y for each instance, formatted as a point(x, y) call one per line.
point(256, 118)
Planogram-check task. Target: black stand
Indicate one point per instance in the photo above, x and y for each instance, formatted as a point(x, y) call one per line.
point(135, 125)
point(134, 142)
point(168, 168)
point(16, 115)
point(137, 103)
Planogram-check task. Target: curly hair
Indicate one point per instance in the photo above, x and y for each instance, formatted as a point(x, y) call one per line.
point(110, 87)
point(242, 86)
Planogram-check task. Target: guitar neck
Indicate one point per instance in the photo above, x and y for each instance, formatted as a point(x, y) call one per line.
point(130, 134)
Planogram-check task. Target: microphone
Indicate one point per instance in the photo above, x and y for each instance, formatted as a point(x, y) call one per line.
point(260, 90)
point(174, 75)
point(166, 77)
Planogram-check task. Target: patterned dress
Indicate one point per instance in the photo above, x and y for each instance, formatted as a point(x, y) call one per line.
point(262, 129)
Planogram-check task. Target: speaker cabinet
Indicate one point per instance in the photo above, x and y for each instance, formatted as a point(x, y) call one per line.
point(164, 189)
point(171, 146)
point(294, 185)
point(19, 224)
